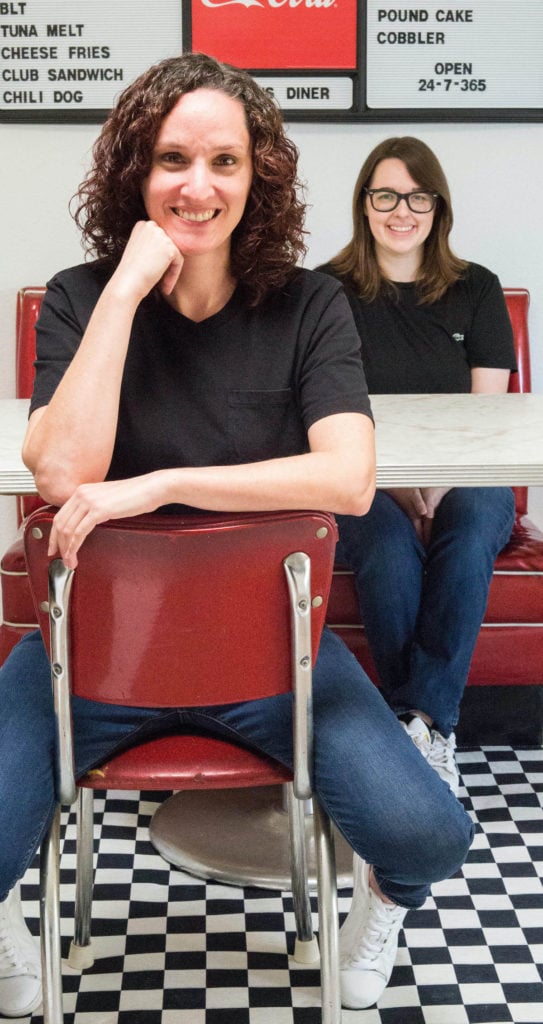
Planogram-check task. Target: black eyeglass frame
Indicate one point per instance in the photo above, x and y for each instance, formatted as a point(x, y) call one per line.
point(434, 196)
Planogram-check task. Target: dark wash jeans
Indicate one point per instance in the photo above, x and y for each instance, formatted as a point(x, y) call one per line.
point(391, 806)
point(422, 608)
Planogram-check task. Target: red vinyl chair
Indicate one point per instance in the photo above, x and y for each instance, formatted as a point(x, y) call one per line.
point(167, 611)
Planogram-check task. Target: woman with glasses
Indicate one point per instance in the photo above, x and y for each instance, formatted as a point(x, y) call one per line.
point(428, 322)
point(422, 556)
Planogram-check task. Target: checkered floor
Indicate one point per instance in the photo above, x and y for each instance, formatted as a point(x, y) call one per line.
point(175, 950)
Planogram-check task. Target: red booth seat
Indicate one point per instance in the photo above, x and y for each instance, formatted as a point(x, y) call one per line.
point(509, 651)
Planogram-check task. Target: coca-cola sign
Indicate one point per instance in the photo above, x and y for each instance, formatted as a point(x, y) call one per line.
point(270, 3)
point(278, 34)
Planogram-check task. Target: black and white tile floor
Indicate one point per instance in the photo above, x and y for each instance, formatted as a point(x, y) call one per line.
point(175, 950)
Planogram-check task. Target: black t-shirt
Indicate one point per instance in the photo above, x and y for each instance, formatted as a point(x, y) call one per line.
point(243, 385)
point(412, 348)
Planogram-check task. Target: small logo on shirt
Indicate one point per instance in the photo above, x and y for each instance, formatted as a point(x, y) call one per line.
point(458, 337)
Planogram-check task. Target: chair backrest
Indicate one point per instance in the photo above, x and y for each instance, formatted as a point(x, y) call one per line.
point(193, 610)
point(28, 307)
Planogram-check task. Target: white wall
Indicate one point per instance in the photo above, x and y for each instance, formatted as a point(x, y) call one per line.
point(494, 172)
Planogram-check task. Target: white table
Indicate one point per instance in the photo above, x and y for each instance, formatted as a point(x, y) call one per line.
point(421, 440)
point(458, 440)
point(14, 477)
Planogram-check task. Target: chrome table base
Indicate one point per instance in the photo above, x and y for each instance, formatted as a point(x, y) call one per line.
point(237, 836)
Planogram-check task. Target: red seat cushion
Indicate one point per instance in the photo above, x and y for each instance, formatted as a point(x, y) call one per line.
point(187, 762)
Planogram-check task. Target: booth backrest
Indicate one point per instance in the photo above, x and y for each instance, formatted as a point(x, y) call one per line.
point(518, 302)
point(28, 307)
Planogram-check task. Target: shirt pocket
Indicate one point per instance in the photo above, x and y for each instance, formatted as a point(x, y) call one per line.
point(265, 424)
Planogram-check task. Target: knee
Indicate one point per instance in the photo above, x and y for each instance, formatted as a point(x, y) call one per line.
point(451, 841)
point(480, 517)
point(25, 681)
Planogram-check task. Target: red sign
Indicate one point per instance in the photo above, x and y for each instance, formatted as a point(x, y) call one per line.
point(279, 34)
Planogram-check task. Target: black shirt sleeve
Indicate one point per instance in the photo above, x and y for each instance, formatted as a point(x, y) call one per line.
point(489, 338)
point(331, 376)
point(64, 314)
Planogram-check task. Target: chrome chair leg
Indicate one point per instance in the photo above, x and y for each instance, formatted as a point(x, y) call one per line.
point(81, 954)
point(50, 923)
point(306, 949)
point(328, 917)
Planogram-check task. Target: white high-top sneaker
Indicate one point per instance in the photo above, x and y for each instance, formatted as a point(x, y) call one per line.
point(20, 970)
point(442, 758)
point(438, 751)
point(368, 941)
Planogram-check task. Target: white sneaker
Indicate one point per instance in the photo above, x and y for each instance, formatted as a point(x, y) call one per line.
point(368, 941)
point(438, 751)
point(441, 757)
point(20, 970)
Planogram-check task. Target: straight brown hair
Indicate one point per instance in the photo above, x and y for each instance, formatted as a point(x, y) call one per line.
point(357, 262)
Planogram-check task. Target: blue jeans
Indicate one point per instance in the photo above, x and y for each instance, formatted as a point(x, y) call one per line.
point(392, 808)
point(422, 608)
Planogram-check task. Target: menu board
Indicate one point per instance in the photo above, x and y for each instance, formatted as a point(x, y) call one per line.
point(488, 55)
point(67, 60)
point(323, 60)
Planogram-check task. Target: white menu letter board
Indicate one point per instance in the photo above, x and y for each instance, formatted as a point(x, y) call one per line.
point(321, 60)
point(68, 59)
point(486, 54)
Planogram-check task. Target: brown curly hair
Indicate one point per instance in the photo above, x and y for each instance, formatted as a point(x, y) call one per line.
point(440, 268)
point(268, 242)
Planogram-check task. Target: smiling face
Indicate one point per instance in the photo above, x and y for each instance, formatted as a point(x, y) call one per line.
point(399, 234)
point(201, 172)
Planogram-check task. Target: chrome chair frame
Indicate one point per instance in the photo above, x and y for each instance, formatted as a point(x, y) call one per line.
point(297, 569)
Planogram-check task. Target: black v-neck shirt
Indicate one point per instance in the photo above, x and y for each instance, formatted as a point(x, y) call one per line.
point(241, 386)
point(412, 348)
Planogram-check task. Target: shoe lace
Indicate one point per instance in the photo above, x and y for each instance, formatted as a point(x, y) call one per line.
point(441, 751)
point(423, 744)
point(10, 955)
point(381, 921)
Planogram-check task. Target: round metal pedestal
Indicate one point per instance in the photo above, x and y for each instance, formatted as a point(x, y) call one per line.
point(237, 836)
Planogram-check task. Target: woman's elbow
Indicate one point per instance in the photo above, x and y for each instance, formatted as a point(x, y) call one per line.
point(358, 473)
point(54, 488)
point(358, 505)
point(55, 483)
point(357, 497)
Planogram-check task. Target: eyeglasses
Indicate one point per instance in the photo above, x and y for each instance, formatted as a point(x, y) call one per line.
point(386, 199)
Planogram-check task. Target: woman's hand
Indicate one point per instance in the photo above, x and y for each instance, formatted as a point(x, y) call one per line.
point(150, 258)
point(91, 504)
point(410, 499)
point(432, 497)
point(420, 504)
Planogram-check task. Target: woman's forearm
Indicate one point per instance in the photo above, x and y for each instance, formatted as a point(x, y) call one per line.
point(71, 440)
point(340, 480)
point(314, 480)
